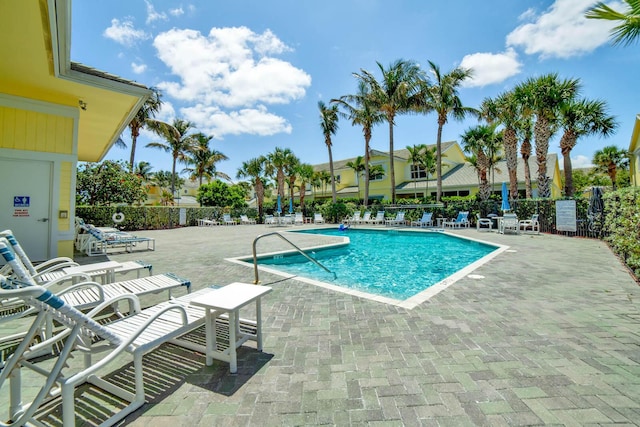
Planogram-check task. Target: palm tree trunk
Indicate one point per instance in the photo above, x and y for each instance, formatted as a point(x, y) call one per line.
point(392, 171)
point(367, 138)
point(439, 161)
point(542, 134)
point(525, 151)
point(511, 152)
point(567, 142)
point(333, 178)
point(132, 157)
point(173, 177)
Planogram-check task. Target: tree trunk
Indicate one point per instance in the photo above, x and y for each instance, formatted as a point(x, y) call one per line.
point(333, 178)
point(567, 142)
point(392, 169)
point(542, 134)
point(525, 150)
point(439, 161)
point(511, 152)
point(365, 200)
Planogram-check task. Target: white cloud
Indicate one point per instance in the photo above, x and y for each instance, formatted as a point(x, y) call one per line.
point(561, 31)
point(138, 68)
point(124, 33)
point(177, 11)
point(231, 69)
point(152, 15)
point(491, 68)
point(254, 121)
point(581, 161)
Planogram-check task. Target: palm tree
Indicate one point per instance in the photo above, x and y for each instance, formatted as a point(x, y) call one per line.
point(361, 110)
point(505, 110)
point(544, 96)
point(429, 166)
point(478, 141)
point(329, 125)
point(628, 29)
point(416, 154)
point(143, 170)
point(291, 172)
point(203, 159)
point(441, 96)
point(524, 130)
point(276, 164)
point(322, 178)
point(609, 160)
point(358, 167)
point(306, 175)
point(178, 142)
point(147, 111)
point(254, 169)
point(580, 118)
point(392, 96)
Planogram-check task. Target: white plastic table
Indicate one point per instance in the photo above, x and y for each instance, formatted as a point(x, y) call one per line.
point(107, 270)
point(230, 299)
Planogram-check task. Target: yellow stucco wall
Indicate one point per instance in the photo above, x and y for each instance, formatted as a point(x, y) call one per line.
point(64, 224)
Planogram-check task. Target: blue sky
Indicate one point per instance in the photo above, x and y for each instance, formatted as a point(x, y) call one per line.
point(251, 73)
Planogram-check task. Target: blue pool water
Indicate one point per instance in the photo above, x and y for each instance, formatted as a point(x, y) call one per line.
point(395, 264)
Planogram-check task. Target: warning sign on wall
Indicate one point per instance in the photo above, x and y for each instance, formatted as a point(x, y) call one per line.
point(21, 212)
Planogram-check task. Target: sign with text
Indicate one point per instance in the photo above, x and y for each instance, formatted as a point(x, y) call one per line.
point(21, 201)
point(566, 215)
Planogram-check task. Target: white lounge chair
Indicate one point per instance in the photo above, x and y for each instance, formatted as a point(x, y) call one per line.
point(354, 219)
point(207, 222)
point(379, 219)
point(246, 220)
point(425, 221)
point(462, 220)
point(270, 220)
point(366, 217)
point(298, 219)
point(483, 223)
point(530, 225)
point(98, 242)
point(137, 335)
point(227, 220)
point(318, 219)
point(398, 220)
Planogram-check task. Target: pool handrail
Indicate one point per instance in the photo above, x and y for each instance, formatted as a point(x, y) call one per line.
point(277, 233)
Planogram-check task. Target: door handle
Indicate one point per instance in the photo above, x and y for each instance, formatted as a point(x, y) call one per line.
point(43, 220)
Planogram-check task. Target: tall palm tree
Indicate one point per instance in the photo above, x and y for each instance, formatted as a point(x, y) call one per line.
point(544, 96)
point(361, 110)
point(276, 164)
point(321, 180)
point(148, 111)
point(291, 172)
point(505, 110)
point(580, 118)
point(392, 96)
point(478, 141)
point(329, 126)
point(358, 167)
point(429, 166)
point(628, 29)
point(254, 169)
point(609, 160)
point(416, 154)
point(203, 159)
point(306, 175)
point(525, 133)
point(177, 141)
point(441, 96)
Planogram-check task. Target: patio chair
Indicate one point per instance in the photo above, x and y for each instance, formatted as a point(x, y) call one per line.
point(317, 218)
point(98, 242)
point(270, 220)
point(483, 223)
point(530, 225)
point(398, 220)
point(425, 221)
point(354, 219)
point(462, 220)
point(207, 222)
point(245, 220)
point(379, 219)
point(136, 335)
point(509, 224)
point(298, 219)
point(227, 220)
point(366, 217)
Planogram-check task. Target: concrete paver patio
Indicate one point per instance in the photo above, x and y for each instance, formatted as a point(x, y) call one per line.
point(549, 335)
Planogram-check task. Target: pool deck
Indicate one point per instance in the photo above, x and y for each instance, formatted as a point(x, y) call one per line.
point(547, 333)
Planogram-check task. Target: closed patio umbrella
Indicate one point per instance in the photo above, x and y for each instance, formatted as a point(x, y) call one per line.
point(279, 205)
point(290, 206)
point(505, 198)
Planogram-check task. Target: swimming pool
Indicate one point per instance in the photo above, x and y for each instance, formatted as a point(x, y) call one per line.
point(387, 265)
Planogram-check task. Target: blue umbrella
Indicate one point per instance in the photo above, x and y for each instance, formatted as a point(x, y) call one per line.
point(279, 205)
point(290, 206)
point(505, 198)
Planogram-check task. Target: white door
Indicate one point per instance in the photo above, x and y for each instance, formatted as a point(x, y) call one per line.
point(25, 203)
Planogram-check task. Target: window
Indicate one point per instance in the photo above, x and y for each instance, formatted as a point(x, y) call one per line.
point(337, 178)
point(417, 172)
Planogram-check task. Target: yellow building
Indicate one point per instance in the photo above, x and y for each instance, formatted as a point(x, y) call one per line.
point(53, 113)
point(459, 177)
point(634, 154)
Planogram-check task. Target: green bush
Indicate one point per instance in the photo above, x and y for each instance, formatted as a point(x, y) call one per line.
point(622, 225)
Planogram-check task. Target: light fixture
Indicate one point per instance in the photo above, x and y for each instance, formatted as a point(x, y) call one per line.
point(82, 104)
